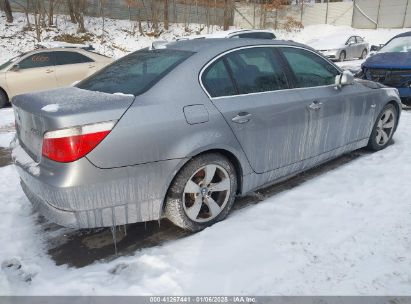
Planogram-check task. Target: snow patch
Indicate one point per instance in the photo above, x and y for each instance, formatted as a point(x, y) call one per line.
point(50, 108)
point(122, 94)
point(22, 158)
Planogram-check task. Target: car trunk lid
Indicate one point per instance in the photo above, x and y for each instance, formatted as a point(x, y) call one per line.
point(38, 113)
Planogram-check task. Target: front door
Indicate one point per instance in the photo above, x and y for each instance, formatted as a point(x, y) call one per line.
point(34, 73)
point(250, 88)
point(338, 116)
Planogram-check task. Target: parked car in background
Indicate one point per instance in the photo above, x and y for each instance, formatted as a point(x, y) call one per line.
point(180, 131)
point(251, 34)
point(391, 66)
point(44, 69)
point(346, 47)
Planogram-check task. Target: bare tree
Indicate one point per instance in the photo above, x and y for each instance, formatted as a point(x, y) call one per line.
point(5, 5)
point(51, 12)
point(26, 10)
point(166, 22)
point(78, 11)
point(228, 5)
point(71, 11)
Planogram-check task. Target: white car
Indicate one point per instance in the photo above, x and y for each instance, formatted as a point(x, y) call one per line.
point(341, 47)
point(255, 34)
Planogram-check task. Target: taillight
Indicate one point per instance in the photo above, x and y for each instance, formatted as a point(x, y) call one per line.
point(68, 145)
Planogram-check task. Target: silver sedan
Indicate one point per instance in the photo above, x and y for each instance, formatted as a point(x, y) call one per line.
point(181, 130)
point(341, 48)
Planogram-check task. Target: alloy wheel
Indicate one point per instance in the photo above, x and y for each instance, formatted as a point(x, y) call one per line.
point(385, 127)
point(206, 193)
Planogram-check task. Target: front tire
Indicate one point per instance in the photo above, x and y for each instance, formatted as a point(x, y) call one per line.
point(384, 128)
point(3, 99)
point(364, 54)
point(202, 193)
point(342, 56)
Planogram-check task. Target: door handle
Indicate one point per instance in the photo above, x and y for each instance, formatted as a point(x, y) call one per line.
point(315, 106)
point(242, 117)
point(91, 66)
point(48, 71)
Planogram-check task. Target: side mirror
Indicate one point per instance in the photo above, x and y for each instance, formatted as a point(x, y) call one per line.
point(374, 48)
point(15, 68)
point(346, 78)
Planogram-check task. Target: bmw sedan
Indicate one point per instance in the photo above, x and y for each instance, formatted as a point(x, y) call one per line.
point(181, 130)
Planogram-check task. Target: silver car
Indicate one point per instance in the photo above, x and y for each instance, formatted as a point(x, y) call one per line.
point(341, 48)
point(180, 131)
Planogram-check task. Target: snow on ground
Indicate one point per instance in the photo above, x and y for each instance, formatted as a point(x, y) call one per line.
point(345, 232)
point(6, 127)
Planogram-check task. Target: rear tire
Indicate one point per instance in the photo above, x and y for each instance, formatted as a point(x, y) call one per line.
point(384, 128)
point(3, 99)
point(342, 56)
point(364, 54)
point(202, 193)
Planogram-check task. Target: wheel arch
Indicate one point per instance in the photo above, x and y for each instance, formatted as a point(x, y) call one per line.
point(5, 92)
point(224, 152)
point(398, 108)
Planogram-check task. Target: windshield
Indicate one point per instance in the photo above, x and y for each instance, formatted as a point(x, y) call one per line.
point(400, 44)
point(135, 73)
point(6, 64)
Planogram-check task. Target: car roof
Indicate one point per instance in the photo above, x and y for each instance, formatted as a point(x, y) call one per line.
point(224, 34)
point(218, 45)
point(405, 34)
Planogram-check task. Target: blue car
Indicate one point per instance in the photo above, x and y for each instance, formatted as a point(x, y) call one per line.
point(391, 66)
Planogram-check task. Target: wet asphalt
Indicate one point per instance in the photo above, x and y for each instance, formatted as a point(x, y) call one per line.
point(79, 248)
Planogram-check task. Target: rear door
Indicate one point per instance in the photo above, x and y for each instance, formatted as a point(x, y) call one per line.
point(72, 66)
point(35, 72)
point(250, 88)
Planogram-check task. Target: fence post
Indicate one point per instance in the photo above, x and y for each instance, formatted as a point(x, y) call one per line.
point(302, 10)
point(254, 8)
point(378, 14)
point(405, 14)
point(326, 13)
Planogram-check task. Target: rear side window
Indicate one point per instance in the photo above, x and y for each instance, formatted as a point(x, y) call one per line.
point(217, 81)
point(256, 70)
point(359, 40)
point(310, 70)
point(39, 60)
point(135, 73)
point(257, 35)
point(63, 58)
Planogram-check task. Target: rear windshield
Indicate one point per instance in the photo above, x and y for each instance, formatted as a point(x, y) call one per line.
point(135, 73)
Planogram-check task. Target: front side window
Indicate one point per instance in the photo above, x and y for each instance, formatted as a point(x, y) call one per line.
point(39, 60)
point(256, 70)
point(64, 57)
point(217, 81)
point(135, 73)
point(351, 41)
point(310, 70)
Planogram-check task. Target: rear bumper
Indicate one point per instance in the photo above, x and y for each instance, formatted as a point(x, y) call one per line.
point(80, 195)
